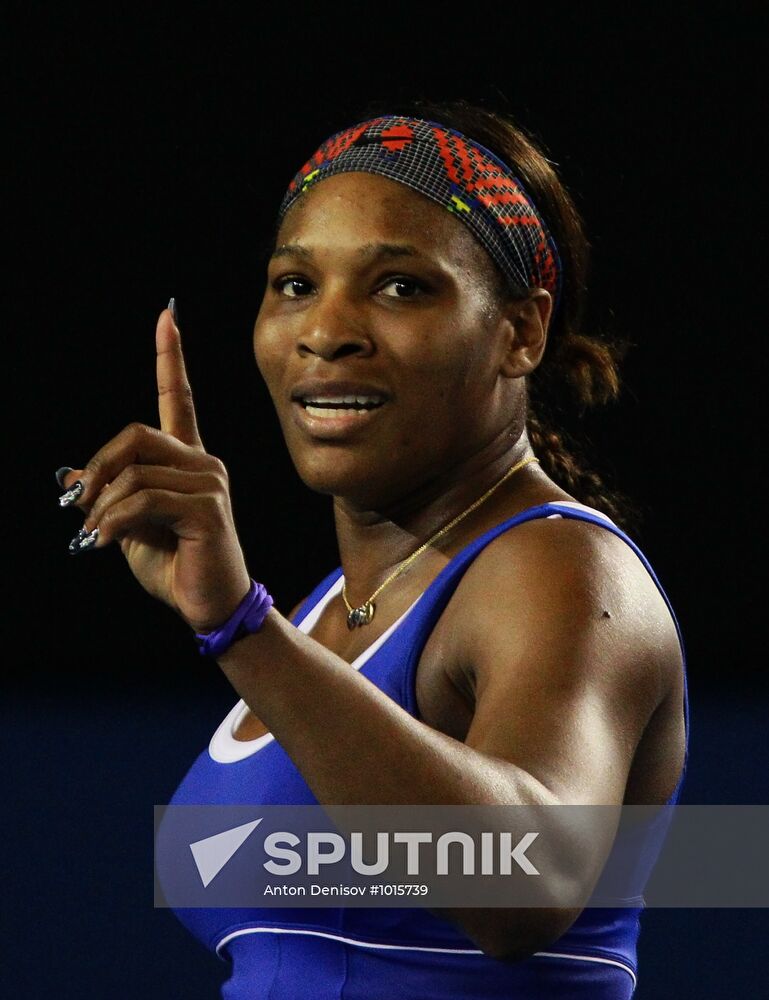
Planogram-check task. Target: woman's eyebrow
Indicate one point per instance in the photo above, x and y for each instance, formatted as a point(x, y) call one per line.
point(291, 250)
point(378, 250)
point(372, 251)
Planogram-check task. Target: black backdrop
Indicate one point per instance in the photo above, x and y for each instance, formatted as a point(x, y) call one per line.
point(147, 154)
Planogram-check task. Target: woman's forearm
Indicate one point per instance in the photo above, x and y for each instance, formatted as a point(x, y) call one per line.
point(352, 744)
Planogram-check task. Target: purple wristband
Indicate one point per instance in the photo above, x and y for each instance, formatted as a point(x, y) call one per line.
point(246, 619)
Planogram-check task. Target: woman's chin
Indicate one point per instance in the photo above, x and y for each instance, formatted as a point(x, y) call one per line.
point(354, 480)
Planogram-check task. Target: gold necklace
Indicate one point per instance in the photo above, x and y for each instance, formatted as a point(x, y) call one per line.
point(365, 613)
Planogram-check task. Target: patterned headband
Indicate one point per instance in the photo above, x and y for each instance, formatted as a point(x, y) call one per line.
point(457, 173)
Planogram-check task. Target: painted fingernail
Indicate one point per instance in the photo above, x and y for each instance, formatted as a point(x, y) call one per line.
point(61, 474)
point(172, 309)
point(83, 541)
point(72, 494)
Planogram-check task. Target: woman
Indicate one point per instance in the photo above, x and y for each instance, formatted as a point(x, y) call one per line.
point(511, 644)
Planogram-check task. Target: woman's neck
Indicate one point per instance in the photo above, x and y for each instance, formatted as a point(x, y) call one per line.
point(373, 542)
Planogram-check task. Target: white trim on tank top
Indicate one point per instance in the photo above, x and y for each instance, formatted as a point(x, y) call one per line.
point(225, 749)
point(378, 945)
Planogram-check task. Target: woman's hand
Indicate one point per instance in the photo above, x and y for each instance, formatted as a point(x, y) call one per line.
point(166, 502)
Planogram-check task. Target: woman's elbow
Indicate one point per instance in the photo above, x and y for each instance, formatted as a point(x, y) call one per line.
point(512, 935)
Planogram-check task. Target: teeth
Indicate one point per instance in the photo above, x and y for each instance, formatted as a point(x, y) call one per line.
point(330, 411)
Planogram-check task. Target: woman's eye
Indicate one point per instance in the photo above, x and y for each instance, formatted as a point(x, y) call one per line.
point(401, 288)
point(293, 288)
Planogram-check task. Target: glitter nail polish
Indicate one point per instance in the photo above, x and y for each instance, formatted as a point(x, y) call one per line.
point(72, 494)
point(83, 541)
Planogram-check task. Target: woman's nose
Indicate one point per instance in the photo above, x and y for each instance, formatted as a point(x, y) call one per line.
point(333, 330)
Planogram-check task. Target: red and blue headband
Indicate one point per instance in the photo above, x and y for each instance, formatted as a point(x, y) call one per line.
point(455, 172)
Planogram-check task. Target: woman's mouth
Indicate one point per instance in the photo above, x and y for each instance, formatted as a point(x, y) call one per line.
point(336, 417)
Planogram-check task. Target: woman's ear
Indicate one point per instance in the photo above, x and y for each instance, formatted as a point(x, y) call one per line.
point(526, 322)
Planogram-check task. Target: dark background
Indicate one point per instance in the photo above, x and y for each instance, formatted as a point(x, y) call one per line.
point(147, 156)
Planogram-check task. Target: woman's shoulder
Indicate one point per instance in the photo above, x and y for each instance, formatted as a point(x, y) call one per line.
point(572, 577)
point(568, 547)
point(565, 543)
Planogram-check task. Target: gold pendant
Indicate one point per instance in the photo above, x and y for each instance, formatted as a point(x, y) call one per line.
point(361, 616)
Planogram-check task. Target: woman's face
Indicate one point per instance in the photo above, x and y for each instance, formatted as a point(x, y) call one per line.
point(380, 338)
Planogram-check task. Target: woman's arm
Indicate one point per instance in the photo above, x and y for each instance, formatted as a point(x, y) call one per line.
point(567, 665)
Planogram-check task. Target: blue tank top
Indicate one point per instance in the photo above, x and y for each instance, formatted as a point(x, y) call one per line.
point(360, 954)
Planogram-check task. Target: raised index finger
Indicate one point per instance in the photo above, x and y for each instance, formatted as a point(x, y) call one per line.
point(175, 405)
